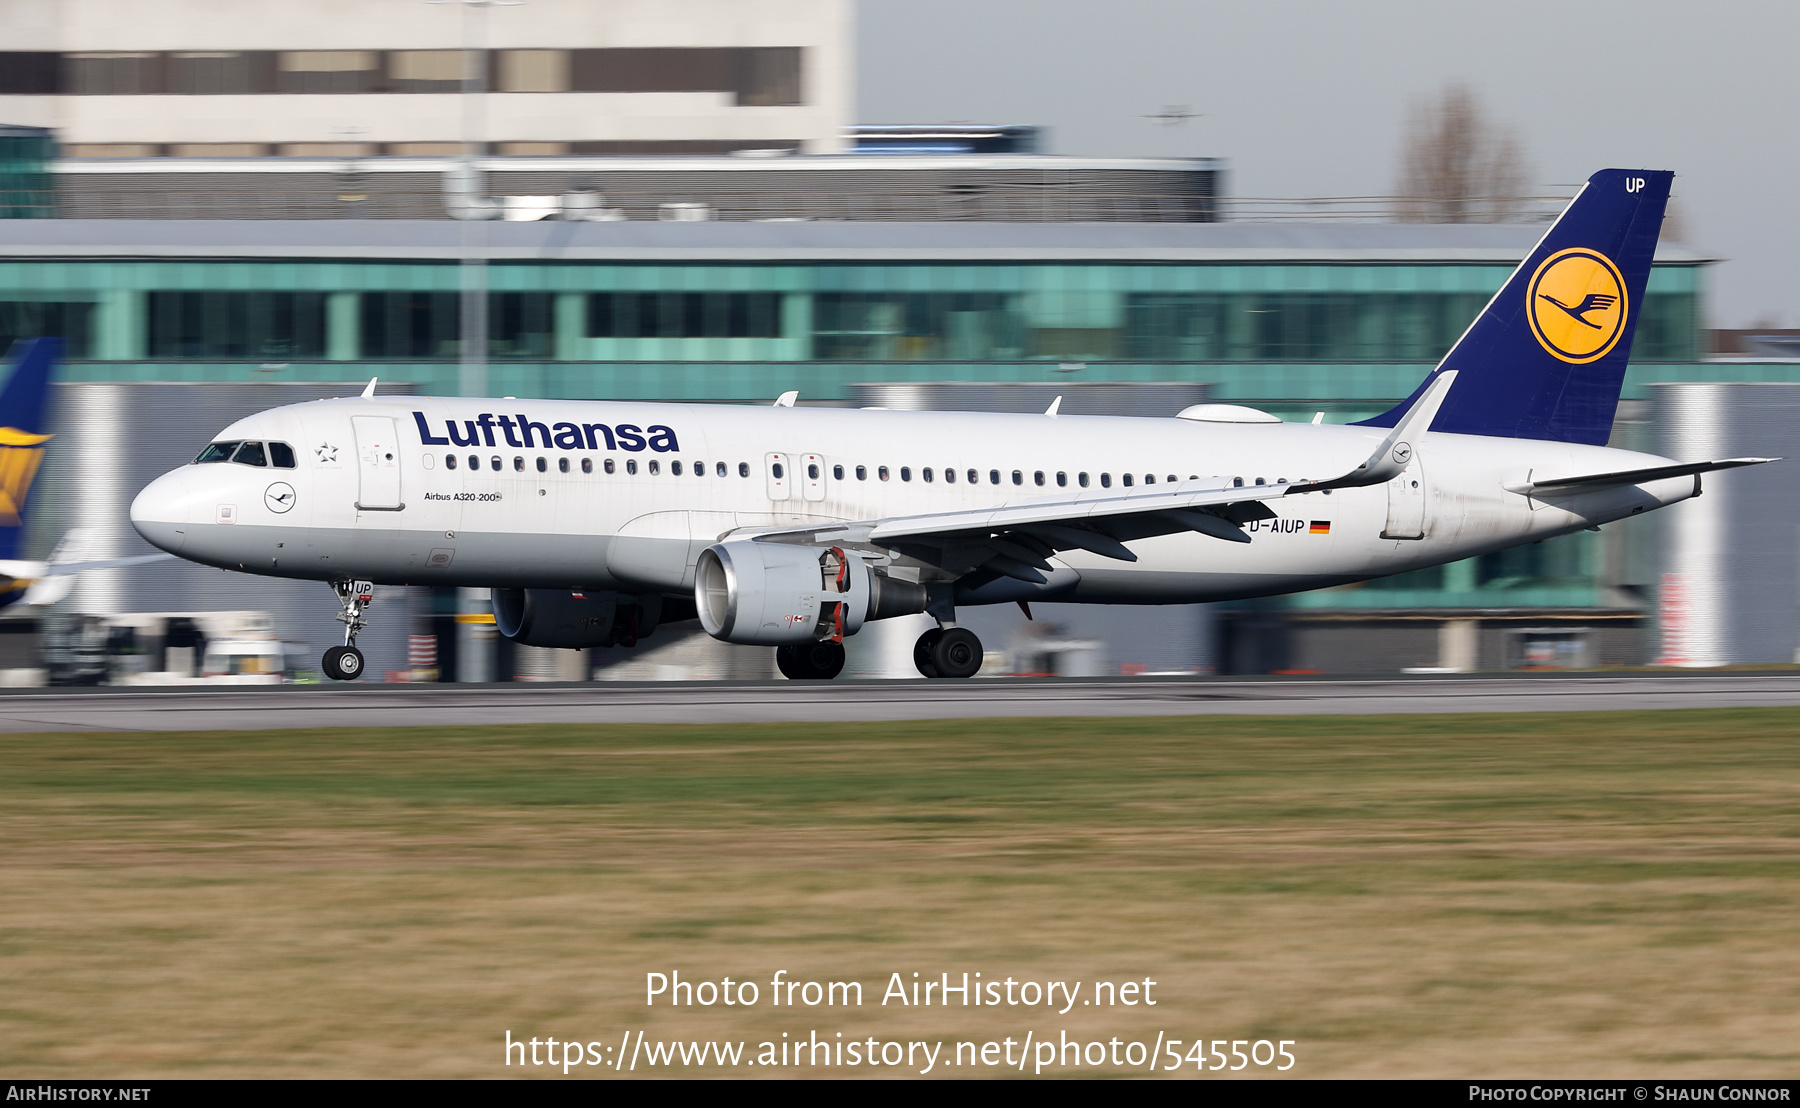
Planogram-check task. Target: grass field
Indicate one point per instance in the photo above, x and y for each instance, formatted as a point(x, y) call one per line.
point(1578, 895)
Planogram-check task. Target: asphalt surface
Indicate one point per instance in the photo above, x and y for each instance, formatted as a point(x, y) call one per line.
point(375, 705)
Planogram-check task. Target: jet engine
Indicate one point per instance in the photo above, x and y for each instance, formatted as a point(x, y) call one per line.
point(772, 594)
point(556, 617)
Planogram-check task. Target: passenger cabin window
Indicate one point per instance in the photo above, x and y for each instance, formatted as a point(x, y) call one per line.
point(778, 470)
point(720, 470)
point(496, 462)
point(562, 465)
point(837, 473)
point(587, 465)
point(1106, 480)
point(631, 466)
point(674, 468)
point(974, 478)
point(1038, 478)
point(743, 469)
point(282, 455)
point(862, 473)
point(251, 454)
point(926, 474)
point(1081, 479)
point(518, 464)
point(881, 472)
point(449, 461)
point(1126, 479)
point(1062, 480)
point(542, 465)
point(216, 452)
point(1019, 478)
point(905, 473)
point(656, 467)
point(474, 462)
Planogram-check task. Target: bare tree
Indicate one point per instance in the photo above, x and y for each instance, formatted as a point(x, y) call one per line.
point(1458, 165)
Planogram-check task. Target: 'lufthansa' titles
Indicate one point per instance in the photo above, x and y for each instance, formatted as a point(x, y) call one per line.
point(524, 434)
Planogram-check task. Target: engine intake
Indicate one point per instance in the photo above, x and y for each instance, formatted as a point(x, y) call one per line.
point(770, 594)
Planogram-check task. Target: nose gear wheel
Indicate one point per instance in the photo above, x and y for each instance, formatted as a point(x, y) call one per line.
point(345, 663)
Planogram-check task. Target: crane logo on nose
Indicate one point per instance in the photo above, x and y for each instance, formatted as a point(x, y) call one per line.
point(279, 497)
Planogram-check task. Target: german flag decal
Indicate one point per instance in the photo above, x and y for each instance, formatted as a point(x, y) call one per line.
point(1319, 527)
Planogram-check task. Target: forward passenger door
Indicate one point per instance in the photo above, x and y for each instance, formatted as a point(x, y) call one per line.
point(377, 463)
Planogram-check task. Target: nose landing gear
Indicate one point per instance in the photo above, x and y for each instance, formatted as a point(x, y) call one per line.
point(345, 663)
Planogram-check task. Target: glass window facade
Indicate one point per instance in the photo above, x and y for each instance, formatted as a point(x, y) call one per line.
point(236, 325)
point(36, 319)
point(682, 315)
point(410, 325)
point(1264, 325)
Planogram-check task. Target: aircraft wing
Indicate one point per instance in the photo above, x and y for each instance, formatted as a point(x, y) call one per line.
point(63, 569)
point(1594, 481)
point(18, 569)
point(1015, 540)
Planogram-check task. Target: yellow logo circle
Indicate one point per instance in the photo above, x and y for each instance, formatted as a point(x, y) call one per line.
point(1577, 305)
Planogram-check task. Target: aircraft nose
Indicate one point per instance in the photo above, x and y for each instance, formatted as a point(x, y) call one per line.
point(160, 513)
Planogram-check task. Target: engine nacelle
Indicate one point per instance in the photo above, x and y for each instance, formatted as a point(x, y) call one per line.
point(771, 593)
point(557, 617)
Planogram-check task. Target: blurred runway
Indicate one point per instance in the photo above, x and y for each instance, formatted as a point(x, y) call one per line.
point(267, 708)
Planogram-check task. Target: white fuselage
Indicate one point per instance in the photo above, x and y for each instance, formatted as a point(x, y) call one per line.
point(377, 499)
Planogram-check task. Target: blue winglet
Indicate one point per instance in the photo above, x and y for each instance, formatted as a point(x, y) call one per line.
point(1546, 358)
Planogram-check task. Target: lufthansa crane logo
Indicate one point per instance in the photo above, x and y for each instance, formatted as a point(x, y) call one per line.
point(1577, 305)
point(21, 452)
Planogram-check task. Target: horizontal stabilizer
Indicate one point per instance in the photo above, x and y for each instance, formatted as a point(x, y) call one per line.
point(1593, 481)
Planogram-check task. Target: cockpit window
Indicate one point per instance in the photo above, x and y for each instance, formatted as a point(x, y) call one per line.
point(216, 452)
point(282, 455)
point(251, 454)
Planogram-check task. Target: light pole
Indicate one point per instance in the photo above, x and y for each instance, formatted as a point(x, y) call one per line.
point(465, 196)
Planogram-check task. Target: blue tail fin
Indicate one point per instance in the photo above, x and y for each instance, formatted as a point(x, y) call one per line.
point(24, 423)
point(1546, 358)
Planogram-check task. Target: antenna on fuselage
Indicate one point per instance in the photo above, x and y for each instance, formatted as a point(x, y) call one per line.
point(368, 392)
point(1055, 406)
point(786, 399)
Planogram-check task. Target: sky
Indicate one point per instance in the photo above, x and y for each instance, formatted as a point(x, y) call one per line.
point(1310, 98)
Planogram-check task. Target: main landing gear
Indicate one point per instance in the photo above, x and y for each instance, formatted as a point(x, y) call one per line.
point(948, 652)
point(345, 663)
point(813, 661)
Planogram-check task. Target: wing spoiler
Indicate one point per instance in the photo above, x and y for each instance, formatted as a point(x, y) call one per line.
point(1594, 481)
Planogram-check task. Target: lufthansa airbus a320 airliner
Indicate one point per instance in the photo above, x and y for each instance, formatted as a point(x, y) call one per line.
point(595, 521)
